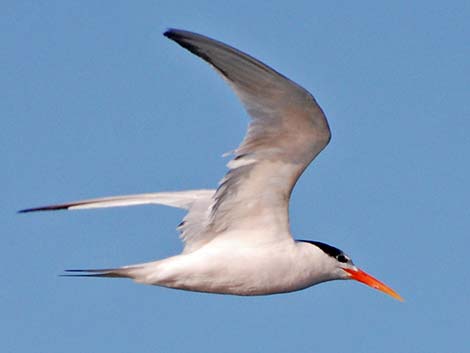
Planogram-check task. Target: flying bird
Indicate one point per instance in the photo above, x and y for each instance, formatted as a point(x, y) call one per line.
point(237, 238)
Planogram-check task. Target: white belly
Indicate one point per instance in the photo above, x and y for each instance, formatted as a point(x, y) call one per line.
point(241, 271)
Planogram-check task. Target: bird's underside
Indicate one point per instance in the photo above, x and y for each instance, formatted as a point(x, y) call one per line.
point(227, 269)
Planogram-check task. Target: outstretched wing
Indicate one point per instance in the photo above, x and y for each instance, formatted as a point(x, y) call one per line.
point(179, 199)
point(287, 131)
point(192, 228)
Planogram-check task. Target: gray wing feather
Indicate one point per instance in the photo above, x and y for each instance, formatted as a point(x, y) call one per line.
point(287, 131)
point(192, 228)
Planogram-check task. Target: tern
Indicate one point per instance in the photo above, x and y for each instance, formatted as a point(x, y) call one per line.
point(237, 238)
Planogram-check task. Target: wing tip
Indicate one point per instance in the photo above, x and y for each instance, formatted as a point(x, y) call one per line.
point(179, 37)
point(188, 40)
point(170, 32)
point(44, 208)
point(175, 33)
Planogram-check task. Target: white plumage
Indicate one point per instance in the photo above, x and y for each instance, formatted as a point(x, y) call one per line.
point(237, 238)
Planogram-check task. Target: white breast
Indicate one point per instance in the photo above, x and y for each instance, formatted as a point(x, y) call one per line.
point(257, 270)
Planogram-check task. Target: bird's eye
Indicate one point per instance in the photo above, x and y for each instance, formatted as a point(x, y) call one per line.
point(342, 258)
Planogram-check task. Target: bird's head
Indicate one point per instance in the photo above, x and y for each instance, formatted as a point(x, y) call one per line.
point(342, 267)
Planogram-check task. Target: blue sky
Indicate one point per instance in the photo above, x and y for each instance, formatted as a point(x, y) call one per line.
point(96, 102)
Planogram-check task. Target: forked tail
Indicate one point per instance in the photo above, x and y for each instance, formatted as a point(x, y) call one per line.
point(147, 273)
point(122, 272)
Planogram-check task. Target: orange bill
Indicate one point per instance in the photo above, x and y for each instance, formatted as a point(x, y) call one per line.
point(365, 278)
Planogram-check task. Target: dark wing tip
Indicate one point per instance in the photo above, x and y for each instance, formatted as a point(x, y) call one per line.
point(182, 38)
point(77, 273)
point(45, 208)
point(179, 34)
point(187, 40)
point(83, 273)
point(170, 33)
